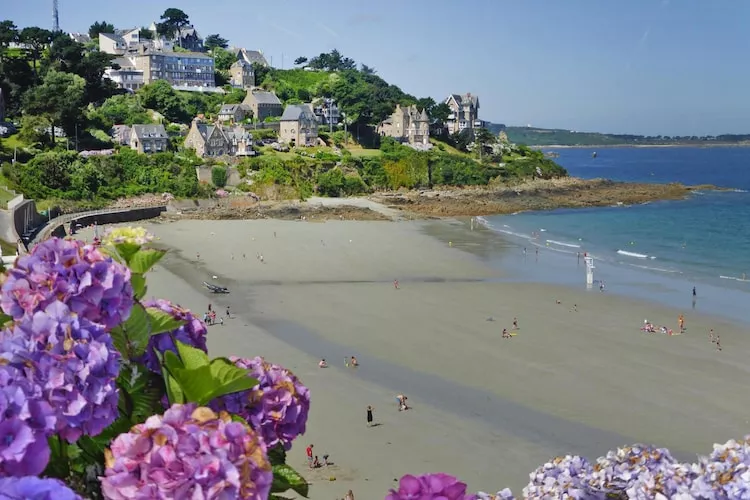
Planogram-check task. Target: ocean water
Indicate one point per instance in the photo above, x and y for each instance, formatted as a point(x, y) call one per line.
point(658, 250)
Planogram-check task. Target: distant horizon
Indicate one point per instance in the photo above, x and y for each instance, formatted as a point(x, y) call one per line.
point(614, 133)
point(582, 65)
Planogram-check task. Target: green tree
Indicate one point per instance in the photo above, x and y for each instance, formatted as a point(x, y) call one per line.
point(100, 27)
point(8, 35)
point(219, 176)
point(260, 72)
point(64, 54)
point(223, 59)
point(300, 60)
point(16, 76)
point(36, 39)
point(171, 22)
point(331, 183)
point(440, 112)
point(34, 130)
point(85, 180)
point(160, 96)
point(59, 99)
point(146, 34)
point(213, 41)
point(119, 110)
point(367, 70)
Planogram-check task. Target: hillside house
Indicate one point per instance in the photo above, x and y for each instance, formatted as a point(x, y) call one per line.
point(149, 138)
point(212, 140)
point(249, 56)
point(299, 125)
point(242, 75)
point(407, 125)
point(121, 134)
point(464, 113)
point(263, 104)
point(234, 112)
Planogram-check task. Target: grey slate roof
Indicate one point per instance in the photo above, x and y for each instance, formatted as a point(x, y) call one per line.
point(250, 56)
point(149, 131)
point(263, 97)
point(293, 112)
point(466, 98)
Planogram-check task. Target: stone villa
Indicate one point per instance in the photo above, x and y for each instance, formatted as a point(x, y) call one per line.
point(464, 113)
point(299, 125)
point(149, 138)
point(212, 140)
point(263, 104)
point(407, 125)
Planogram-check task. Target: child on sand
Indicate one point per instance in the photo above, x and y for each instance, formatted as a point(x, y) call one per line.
point(395, 284)
point(369, 416)
point(354, 362)
point(323, 363)
point(515, 323)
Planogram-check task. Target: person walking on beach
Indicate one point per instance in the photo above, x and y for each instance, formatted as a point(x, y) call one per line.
point(228, 315)
point(515, 323)
point(349, 495)
point(369, 416)
point(681, 322)
point(309, 452)
point(718, 343)
point(694, 293)
point(711, 335)
point(395, 284)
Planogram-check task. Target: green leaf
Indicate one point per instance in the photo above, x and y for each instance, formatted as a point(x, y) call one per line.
point(277, 455)
point(4, 318)
point(172, 361)
point(237, 418)
point(143, 391)
point(175, 393)
point(289, 479)
point(230, 378)
point(120, 341)
point(127, 250)
point(137, 330)
point(191, 357)
point(196, 384)
point(160, 322)
point(139, 285)
point(143, 260)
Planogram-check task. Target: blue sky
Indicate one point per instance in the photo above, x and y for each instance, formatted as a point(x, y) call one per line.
point(628, 66)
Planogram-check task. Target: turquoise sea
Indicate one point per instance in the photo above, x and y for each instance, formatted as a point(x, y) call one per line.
point(658, 250)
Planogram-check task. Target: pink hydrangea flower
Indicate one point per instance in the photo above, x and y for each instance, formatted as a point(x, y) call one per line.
point(188, 453)
point(429, 487)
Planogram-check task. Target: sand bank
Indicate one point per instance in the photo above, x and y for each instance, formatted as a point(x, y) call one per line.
point(486, 409)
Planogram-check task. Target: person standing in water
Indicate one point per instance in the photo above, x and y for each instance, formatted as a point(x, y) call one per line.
point(369, 416)
point(694, 293)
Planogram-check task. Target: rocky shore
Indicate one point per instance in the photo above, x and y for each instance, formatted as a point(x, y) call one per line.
point(532, 195)
point(471, 201)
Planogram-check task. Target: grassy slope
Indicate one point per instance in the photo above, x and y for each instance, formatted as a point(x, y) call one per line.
point(296, 79)
point(541, 137)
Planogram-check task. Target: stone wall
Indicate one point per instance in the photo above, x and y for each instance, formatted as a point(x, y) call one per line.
point(27, 221)
point(204, 175)
point(128, 215)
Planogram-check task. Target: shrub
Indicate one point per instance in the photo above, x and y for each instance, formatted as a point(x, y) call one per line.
point(219, 176)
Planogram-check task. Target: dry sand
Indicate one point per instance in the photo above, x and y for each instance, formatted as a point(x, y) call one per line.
point(486, 409)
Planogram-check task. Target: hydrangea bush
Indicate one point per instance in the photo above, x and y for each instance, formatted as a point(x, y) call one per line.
point(106, 396)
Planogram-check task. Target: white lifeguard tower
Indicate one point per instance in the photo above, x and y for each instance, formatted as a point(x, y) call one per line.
point(589, 271)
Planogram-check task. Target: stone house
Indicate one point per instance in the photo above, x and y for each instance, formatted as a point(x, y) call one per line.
point(189, 39)
point(464, 113)
point(234, 112)
point(211, 140)
point(299, 125)
point(149, 138)
point(121, 134)
point(263, 104)
point(327, 112)
point(249, 56)
point(407, 125)
point(241, 74)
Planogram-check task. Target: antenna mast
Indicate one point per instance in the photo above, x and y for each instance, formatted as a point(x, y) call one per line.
point(55, 17)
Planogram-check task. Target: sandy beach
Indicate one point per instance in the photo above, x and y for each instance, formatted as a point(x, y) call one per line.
point(486, 409)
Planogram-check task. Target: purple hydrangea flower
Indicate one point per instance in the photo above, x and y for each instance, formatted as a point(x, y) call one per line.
point(563, 477)
point(277, 407)
point(505, 494)
point(620, 470)
point(192, 333)
point(91, 284)
point(74, 363)
point(189, 452)
point(429, 487)
point(725, 474)
point(35, 488)
point(25, 422)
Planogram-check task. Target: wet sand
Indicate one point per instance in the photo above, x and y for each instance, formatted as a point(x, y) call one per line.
point(484, 408)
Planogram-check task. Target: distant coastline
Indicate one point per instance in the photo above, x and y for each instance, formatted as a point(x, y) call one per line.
point(678, 145)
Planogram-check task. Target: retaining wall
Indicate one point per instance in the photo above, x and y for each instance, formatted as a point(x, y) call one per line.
point(27, 221)
point(126, 215)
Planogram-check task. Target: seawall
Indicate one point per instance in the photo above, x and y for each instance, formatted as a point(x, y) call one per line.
point(57, 226)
